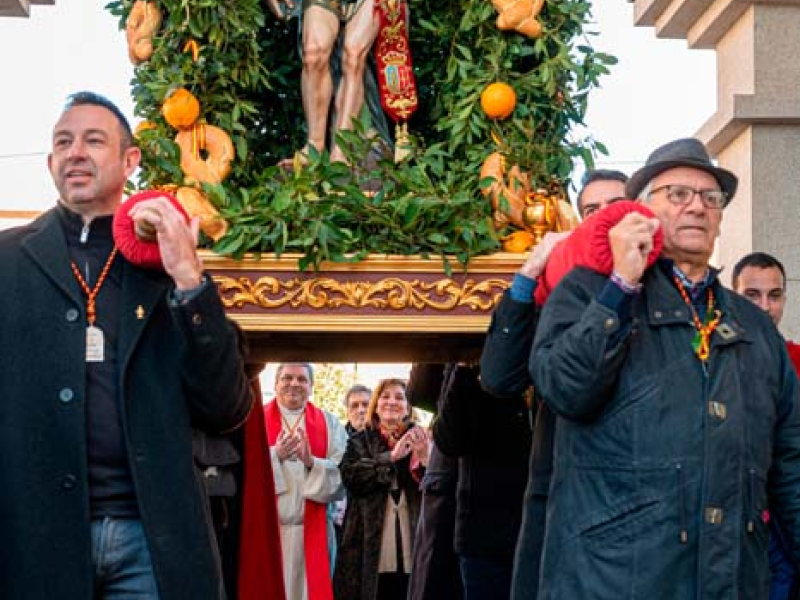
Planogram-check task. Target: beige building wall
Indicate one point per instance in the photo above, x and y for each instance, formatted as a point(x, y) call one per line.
point(755, 131)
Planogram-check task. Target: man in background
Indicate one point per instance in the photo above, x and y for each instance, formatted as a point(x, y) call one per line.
point(356, 401)
point(504, 374)
point(761, 278)
point(306, 447)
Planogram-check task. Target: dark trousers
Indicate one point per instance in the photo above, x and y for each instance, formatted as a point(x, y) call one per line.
point(392, 586)
point(486, 578)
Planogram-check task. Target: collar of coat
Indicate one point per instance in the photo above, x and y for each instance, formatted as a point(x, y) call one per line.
point(664, 305)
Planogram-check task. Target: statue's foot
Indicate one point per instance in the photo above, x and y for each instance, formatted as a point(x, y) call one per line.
point(338, 156)
point(298, 159)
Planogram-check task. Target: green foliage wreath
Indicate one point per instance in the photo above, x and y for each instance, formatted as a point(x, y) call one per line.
point(247, 80)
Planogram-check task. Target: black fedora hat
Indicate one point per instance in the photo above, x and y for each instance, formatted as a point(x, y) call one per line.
point(686, 152)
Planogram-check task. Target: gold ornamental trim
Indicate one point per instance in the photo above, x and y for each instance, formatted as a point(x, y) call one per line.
point(380, 293)
point(376, 323)
point(501, 262)
point(389, 293)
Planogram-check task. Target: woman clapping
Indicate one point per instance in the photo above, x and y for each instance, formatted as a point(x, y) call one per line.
point(381, 470)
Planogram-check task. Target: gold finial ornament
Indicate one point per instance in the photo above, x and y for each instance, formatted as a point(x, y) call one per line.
point(540, 213)
point(402, 144)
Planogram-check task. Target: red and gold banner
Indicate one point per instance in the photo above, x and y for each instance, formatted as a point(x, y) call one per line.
point(396, 83)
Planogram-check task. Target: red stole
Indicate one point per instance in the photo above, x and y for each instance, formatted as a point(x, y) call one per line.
point(315, 527)
point(260, 558)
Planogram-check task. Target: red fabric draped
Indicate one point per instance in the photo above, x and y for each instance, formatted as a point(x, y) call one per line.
point(260, 559)
point(315, 527)
point(794, 355)
point(588, 246)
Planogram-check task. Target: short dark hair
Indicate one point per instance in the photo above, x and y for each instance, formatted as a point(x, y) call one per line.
point(94, 99)
point(599, 175)
point(759, 260)
point(358, 388)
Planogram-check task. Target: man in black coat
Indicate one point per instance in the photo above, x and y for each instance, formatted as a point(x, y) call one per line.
point(677, 408)
point(504, 373)
point(491, 438)
point(434, 571)
point(106, 368)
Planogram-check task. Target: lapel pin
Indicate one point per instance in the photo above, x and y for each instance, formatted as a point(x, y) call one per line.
point(140, 312)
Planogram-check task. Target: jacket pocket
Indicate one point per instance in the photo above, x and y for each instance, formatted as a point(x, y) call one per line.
point(606, 554)
point(600, 561)
point(619, 526)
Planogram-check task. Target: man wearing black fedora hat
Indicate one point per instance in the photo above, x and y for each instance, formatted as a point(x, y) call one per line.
point(677, 408)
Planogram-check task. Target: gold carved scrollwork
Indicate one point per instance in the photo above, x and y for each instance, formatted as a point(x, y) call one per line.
point(391, 293)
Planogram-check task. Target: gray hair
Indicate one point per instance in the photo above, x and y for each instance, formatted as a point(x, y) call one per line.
point(644, 195)
point(358, 388)
point(307, 366)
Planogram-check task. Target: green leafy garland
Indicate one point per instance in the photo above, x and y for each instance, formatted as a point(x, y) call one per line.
point(247, 80)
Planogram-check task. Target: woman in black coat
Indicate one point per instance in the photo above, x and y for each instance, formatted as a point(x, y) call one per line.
point(381, 470)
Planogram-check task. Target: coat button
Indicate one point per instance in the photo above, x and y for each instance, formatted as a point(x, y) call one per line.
point(657, 314)
point(714, 515)
point(197, 319)
point(68, 482)
point(72, 315)
point(718, 410)
point(66, 395)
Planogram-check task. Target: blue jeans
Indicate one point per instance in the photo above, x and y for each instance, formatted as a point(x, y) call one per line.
point(123, 569)
point(486, 578)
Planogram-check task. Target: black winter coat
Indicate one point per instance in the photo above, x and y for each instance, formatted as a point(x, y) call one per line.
point(504, 374)
point(663, 465)
point(435, 572)
point(367, 473)
point(178, 366)
point(492, 439)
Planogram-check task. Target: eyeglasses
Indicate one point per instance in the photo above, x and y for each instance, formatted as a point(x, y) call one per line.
point(681, 195)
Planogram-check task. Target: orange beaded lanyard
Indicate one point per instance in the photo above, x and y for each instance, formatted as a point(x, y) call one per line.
point(91, 293)
point(292, 428)
point(701, 343)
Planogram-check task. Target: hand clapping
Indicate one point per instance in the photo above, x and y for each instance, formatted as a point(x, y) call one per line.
point(286, 445)
point(414, 440)
point(294, 446)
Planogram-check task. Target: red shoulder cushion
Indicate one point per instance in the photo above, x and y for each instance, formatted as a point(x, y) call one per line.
point(140, 253)
point(588, 246)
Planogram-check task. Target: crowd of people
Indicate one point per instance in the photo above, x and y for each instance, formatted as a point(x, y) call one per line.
point(631, 431)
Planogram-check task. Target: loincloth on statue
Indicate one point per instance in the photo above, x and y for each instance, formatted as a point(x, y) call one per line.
point(343, 9)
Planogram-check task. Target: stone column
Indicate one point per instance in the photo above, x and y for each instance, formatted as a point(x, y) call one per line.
point(755, 131)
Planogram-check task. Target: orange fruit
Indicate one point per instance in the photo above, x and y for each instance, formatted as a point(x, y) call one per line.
point(498, 100)
point(518, 242)
point(181, 109)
